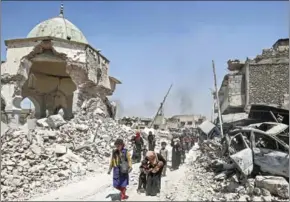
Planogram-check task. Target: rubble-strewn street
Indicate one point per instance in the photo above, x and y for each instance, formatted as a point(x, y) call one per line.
point(188, 123)
point(175, 186)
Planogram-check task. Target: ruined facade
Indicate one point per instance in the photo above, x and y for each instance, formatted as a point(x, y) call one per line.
point(185, 121)
point(55, 68)
point(262, 80)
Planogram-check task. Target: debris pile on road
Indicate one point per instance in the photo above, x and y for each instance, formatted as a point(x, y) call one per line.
point(45, 158)
point(250, 163)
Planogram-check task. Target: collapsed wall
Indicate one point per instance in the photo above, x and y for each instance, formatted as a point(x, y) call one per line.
point(55, 74)
point(263, 80)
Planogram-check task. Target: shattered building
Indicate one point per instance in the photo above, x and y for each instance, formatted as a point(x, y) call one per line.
point(56, 68)
point(135, 122)
point(262, 80)
point(185, 121)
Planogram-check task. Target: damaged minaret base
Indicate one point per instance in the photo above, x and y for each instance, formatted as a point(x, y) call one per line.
point(55, 72)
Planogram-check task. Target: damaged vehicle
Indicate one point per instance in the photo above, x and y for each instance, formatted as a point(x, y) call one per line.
point(279, 130)
point(251, 149)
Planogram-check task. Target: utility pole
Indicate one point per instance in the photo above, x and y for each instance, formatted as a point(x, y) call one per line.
point(213, 104)
point(217, 100)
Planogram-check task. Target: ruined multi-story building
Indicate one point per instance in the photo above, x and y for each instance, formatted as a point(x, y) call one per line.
point(56, 68)
point(263, 80)
point(185, 121)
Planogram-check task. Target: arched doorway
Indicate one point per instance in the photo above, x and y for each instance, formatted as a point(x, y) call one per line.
point(49, 83)
point(30, 108)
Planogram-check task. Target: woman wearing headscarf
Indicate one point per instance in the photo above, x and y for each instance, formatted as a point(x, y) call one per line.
point(155, 166)
point(138, 146)
point(176, 152)
point(122, 165)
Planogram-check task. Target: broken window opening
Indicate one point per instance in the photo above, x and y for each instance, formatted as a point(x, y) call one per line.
point(264, 141)
point(189, 123)
point(238, 143)
point(265, 127)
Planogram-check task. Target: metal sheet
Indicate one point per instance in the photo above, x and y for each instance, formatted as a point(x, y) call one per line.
point(244, 161)
point(206, 127)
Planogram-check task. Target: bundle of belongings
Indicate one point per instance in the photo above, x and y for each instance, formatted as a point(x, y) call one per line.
point(150, 174)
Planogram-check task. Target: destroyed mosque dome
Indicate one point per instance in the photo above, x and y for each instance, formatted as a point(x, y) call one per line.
point(58, 27)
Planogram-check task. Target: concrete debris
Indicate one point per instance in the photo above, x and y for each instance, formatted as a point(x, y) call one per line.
point(55, 121)
point(54, 153)
point(275, 185)
point(42, 122)
point(243, 162)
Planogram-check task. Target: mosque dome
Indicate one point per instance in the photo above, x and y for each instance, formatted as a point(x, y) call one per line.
point(58, 27)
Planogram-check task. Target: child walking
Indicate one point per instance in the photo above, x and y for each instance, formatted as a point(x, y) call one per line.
point(143, 176)
point(164, 154)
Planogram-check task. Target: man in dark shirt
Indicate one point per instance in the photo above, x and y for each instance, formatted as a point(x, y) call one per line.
point(151, 141)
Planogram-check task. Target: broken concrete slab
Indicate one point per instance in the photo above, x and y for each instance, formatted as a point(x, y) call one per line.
point(276, 185)
point(60, 149)
point(36, 149)
point(55, 121)
point(73, 157)
point(42, 122)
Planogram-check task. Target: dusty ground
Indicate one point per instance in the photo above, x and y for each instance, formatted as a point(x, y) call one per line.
point(177, 186)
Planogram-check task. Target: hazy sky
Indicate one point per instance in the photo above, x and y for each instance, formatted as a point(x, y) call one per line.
point(153, 44)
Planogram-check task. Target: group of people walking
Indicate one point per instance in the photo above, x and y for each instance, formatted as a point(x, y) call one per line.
point(152, 167)
point(180, 144)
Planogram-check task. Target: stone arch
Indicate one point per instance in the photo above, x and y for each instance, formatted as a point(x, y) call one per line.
point(85, 75)
point(31, 62)
point(37, 107)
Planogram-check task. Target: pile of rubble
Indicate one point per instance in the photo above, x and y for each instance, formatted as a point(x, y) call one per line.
point(56, 151)
point(236, 178)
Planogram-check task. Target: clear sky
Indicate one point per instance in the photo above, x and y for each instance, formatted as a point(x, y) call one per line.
point(153, 44)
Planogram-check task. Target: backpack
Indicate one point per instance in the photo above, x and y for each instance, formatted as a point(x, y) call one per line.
point(124, 165)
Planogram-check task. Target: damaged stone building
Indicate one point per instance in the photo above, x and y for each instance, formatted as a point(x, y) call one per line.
point(185, 121)
point(56, 68)
point(263, 80)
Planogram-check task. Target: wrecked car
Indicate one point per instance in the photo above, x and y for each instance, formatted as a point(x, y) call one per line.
point(253, 148)
point(273, 128)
